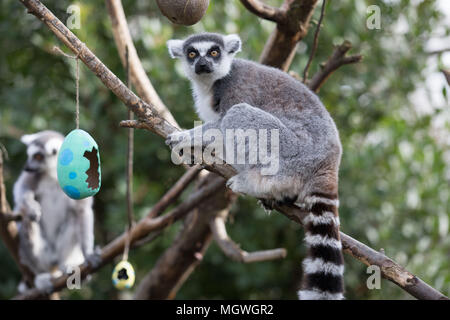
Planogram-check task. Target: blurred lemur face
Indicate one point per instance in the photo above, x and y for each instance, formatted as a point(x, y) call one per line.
point(42, 152)
point(205, 57)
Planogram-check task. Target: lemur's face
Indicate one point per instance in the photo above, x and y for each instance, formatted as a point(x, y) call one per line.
point(42, 152)
point(206, 57)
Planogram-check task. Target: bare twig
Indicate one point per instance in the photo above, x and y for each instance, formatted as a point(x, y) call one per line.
point(147, 113)
point(173, 274)
point(447, 75)
point(151, 237)
point(337, 59)
point(144, 111)
point(232, 250)
point(315, 42)
point(263, 10)
point(9, 217)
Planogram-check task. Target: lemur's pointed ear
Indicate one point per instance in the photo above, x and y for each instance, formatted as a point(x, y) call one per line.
point(232, 43)
point(175, 48)
point(29, 138)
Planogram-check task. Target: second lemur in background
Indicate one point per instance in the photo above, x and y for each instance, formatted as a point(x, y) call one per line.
point(237, 94)
point(56, 232)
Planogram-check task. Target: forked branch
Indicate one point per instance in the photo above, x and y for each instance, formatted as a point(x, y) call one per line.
point(337, 59)
point(264, 11)
point(232, 250)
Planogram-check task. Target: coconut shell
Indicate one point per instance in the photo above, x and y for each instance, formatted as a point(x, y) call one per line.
point(185, 12)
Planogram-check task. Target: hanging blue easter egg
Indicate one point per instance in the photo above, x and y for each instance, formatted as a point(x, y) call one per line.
point(79, 172)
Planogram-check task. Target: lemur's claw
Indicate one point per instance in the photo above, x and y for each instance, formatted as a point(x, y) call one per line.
point(94, 260)
point(266, 204)
point(43, 282)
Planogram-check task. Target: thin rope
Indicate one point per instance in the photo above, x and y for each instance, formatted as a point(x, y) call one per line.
point(77, 112)
point(77, 80)
point(130, 152)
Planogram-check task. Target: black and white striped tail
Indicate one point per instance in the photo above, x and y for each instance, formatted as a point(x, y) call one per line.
point(323, 268)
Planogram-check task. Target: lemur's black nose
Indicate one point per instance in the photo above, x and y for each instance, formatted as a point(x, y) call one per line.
point(203, 66)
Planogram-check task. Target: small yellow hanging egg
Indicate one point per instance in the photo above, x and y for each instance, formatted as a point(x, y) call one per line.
point(123, 275)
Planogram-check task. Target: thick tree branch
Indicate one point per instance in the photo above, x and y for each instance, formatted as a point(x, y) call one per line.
point(147, 113)
point(280, 48)
point(337, 59)
point(263, 10)
point(389, 268)
point(232, 250)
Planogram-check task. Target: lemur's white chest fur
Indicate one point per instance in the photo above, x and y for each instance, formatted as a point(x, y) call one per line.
point(53, 205)
point(203, 97)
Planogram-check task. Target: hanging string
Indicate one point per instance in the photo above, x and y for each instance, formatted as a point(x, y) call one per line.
point(77, 81)
point(130, 151)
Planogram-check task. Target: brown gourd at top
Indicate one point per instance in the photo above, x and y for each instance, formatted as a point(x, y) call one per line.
point(185, 12)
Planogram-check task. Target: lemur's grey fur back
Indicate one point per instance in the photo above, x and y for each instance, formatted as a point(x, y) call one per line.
point(314, 149)
point(56, 232)
point(239, 94)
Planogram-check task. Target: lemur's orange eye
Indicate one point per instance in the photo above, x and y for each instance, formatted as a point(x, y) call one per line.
point(214, 53)
point(38, 156)
point(192, 54)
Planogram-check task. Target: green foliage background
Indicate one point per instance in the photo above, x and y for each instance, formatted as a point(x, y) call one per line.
point(394, 181)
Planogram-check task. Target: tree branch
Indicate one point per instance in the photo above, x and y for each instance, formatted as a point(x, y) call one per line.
point(176, 273)
point(144, 111)
point(280, 48)
point(440, 51)
point(187, 251)
point(175, 191)
point(389, 268)
point(136, 124)
point(415, 286)
point(315, 42)
point(337, 59)
point(232, 250)
point(447, 75)
point(263, 10)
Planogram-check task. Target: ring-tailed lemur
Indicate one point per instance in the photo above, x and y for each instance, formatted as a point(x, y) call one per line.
point(55, 232)
point(235, 94)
